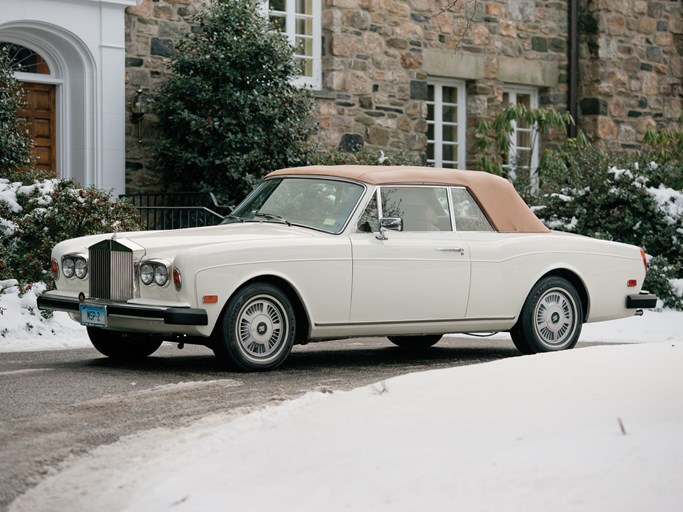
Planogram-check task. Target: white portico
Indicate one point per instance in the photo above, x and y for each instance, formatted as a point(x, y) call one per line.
point(81, 47)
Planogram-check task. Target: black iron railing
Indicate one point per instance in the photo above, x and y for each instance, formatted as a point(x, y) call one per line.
point(177, 210)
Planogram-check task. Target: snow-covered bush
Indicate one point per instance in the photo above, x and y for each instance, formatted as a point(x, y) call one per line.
point(633, 198)
point(34, 217)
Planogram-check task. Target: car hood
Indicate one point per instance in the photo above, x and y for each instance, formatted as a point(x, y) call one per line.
point(170, 242)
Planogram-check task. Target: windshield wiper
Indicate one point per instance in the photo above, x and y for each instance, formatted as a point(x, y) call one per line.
point(276, 218)
point(232, 217)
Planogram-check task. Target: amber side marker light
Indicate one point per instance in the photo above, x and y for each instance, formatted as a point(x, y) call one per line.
point(54, 269)
point(177, 279)
point(210, 299)
point(644, 256)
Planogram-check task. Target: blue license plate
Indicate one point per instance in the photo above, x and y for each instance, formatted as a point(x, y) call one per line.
point(93, 316)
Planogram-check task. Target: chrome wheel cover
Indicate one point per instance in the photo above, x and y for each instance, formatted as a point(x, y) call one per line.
point(555, 318)
point(261, 328)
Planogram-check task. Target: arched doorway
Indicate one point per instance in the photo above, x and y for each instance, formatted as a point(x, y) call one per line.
point(82, 43)
point(41, 108)
point(58, 72)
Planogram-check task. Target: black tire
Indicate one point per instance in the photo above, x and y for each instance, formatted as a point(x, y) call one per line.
point(123, 346)
point(416, 342)
point(551, 318)
point(257, 329)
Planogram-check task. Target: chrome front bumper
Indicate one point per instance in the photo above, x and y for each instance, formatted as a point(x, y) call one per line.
point(169, 315)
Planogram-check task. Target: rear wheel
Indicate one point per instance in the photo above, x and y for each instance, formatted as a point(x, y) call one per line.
point(416, 342)
point(551, 318)
point(123, 346)
point(257, 330)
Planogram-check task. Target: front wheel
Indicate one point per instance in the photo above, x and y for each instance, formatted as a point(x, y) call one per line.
point(123, 346)
point(551, 318)
point(257, 329)
point(416, 342)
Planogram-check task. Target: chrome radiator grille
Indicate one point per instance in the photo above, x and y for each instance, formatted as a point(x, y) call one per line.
point(112, 271)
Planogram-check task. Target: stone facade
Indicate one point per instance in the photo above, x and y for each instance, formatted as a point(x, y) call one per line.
point(631, 69)
point(152, 28)
point(378, 56)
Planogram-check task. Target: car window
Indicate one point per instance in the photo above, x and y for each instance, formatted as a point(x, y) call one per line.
point(468, 214)
point(421, 208)
point(369, 221)
point(318, 203)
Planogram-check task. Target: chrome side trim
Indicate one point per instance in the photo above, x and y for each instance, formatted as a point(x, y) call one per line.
point(410, 322)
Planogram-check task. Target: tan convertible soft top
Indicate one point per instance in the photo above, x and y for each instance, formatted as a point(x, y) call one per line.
point(505, 208)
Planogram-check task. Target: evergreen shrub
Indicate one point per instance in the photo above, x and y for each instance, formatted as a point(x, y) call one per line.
point(229, 113)
point(15, 143)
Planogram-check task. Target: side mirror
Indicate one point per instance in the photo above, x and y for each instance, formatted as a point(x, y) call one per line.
point(393, 223)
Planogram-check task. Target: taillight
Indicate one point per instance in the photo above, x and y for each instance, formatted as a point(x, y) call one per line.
point(644, 256)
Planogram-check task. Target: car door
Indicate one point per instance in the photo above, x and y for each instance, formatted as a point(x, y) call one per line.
point(498, 280)
point(420, 274)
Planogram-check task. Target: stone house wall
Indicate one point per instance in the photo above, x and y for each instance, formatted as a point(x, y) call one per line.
point(378, 56)
point(631, 69)
point(152, 28)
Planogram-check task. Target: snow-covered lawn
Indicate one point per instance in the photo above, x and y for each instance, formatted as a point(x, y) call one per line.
point(595, 429)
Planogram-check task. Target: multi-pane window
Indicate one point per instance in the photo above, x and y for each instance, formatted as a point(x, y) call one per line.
point(25, 59)
point(300, 21)
point(523, 152)
point(446, 123)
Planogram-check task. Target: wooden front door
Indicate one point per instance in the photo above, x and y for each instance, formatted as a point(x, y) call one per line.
point(40, 114)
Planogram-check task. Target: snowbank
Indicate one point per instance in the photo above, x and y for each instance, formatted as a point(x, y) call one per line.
point(592, 429)
point(22, 327)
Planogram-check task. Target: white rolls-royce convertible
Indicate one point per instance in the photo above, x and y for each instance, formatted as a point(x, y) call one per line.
point(318, 253)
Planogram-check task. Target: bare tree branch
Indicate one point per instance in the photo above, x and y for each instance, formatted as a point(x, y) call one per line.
point(449, 5)
point(469, 18)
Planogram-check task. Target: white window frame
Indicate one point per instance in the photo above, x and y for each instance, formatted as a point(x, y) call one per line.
point(290, 15)
point(513, 91)
point(438, 124)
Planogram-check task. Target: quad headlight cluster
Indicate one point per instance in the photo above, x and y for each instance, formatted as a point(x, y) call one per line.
point(152, 271)
point(155, 271)
point(75, 265)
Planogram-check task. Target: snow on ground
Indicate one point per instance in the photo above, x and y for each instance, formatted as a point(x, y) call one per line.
point(23, 328)
point(599, 428)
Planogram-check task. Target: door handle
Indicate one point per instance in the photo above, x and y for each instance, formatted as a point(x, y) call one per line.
point(452, 249)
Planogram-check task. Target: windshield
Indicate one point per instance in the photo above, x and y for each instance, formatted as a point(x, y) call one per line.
point(318, 203)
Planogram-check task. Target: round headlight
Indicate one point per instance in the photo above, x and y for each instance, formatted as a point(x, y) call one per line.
point(160, 275)
point(68, 267)
point(147, 273)
point(81, 268)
